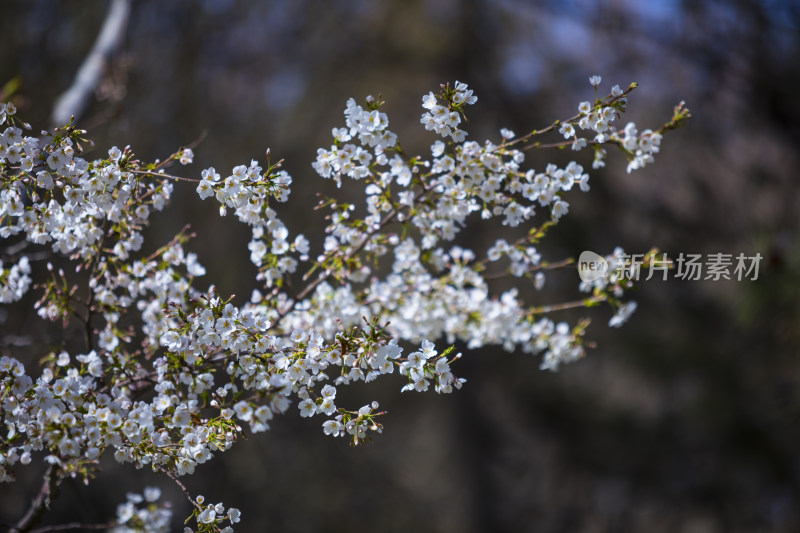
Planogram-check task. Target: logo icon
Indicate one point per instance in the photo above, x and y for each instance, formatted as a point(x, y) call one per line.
point(591, 266)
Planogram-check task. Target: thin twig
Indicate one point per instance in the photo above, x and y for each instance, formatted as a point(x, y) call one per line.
point(535, 268)
point(161, 175)
point(567, 305)
point(73, 525)
point(177, 481)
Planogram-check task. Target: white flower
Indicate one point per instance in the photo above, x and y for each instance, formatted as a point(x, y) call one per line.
point(186, 157)
point(234, 515)
point(332, 427)
point(428, 349)
point(207, 516)
point(567, 130)
point(578, 143)
point(623, 313)
point(507, 133)
point(243, 411)
point(307, 408)
point(560, 208)
point(152, 494)
point(327, 406)
point(125, 512)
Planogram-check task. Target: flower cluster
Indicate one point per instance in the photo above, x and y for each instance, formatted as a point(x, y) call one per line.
point(141, 513)
point(247, 190)
point(615, 281)
point(14, 281)
point(170, 375)
point(642, 146)
point(523, 260)
point(444, 117)
point(211, 516)
point(369, 128)
point(599, 117)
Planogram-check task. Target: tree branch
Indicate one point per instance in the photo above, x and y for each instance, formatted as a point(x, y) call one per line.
point(73, 525)
point(42, 501)
point(73, 102)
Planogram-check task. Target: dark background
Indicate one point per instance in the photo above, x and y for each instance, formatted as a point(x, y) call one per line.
point(686, 419)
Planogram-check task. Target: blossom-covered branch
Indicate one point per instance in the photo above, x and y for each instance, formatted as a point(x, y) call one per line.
point(172, 374)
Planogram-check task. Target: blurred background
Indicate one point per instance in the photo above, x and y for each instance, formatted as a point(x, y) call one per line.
point(686, 419)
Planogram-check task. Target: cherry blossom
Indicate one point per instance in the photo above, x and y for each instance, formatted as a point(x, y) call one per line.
point(386, 292)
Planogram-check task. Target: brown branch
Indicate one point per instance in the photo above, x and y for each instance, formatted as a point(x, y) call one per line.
point(73, 525)
point(177, 481)
point(40, 503)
